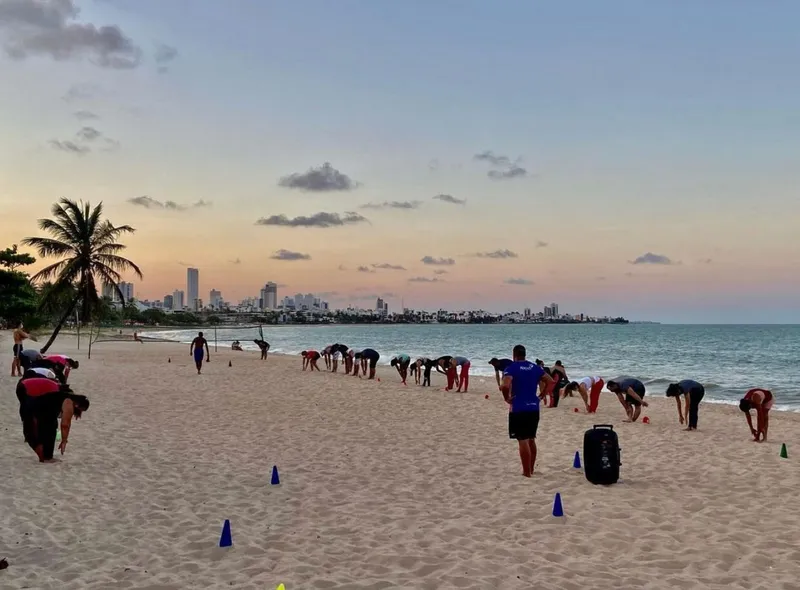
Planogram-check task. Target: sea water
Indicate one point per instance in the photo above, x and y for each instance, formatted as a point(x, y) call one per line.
point(727, 359)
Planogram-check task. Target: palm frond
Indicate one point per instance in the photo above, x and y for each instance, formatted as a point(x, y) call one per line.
point(118, 263)
point(48, 247)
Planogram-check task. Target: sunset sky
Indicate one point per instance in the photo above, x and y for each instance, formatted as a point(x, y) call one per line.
point(622, 157)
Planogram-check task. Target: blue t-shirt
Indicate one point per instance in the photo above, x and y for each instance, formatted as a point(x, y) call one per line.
point(525, 377)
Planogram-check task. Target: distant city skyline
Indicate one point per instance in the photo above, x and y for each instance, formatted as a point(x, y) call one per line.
point(621, 158)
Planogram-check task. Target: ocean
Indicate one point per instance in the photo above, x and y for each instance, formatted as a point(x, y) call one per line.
point(727, 359)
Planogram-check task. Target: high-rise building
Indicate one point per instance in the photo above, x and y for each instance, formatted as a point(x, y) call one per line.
point(269, 296)
point(215, 299)
point(379, 305)
point(192, 285)
point(127, 291)
point(178, 302)
point(109, 292)
point(554, 308)
point(168, 301)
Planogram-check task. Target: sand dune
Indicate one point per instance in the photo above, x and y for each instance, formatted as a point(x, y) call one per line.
point(383, 486)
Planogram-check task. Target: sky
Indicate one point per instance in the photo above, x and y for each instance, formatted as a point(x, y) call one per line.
point(620, 158)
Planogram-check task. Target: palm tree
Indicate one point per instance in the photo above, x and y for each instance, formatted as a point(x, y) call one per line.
point(87, 246)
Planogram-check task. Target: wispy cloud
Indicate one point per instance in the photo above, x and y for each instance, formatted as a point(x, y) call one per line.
point(387, 266)
point(342, 267)
point(705, 261)
point(35, 28)
point(85, 115)
point(650, 258)
point(518, 281)
point(326, 178)
point(541, 244)
point(449, 199)
point(78, 92)
point(236, 261)
point(322, 219)
point(406, 205)
point(503, 167)
point(497, 254)
point(164, 55)
point(433, 261)
point(364, 269)
point(440, 271)
point(424, 280)
point(151, 203)
point(69, 147)
point(290, 256)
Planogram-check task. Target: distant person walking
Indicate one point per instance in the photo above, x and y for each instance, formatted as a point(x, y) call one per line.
point(760, 400)
point(196, 350)
point(630, 393)
point(521, 379)
point(19, 336)
point(692, 393)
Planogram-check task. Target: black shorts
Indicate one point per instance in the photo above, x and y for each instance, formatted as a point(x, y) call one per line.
point(523, 425)
point(17, 349)
point(632, 401)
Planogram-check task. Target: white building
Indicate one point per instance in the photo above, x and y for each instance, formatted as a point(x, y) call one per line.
point(269, 296)
point(215, 299)
point(192, 285)
point(178, 301)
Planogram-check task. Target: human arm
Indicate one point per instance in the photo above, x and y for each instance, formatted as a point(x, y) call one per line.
point(680, 409)
point(191, 348)
point(208, 352)
point(545, 383)
point(67, 410)
point(497, 376)
point(506, 388)
point(632, 392)
point(439, 367)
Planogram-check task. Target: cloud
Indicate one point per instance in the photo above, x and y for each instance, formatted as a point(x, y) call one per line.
point(650, 258)
point(497, 254)
point(424, 280)
point(541, 244)
point(518, 282)
point(37, 28)
point(342, 267)
point(88, 133)
point(321, 219)
point(387, 266)
point(450, 199)
point(599, 278)
point(437, 261)
point(326, 178)
point(441, 271)
point(705, 261)
point(85, 115)
point(504, 168)
point(289, 255)
point(393, 205)
point(164, 55)
point(151, 203)
point(78, 92)
point(236, 261)
point(433, 164)
point(513, 171)
point(364, 269)
point(69, 146)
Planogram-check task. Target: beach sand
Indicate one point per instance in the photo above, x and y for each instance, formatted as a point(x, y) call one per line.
point(382, 486)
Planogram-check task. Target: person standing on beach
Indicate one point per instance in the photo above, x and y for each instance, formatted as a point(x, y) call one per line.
point(196, 349)
point(521, 379)
point(42, 401)
point(442, 365)
point(462, 380)
point(310, 358)
point(371, 356)
point(692, 393)
point(760, 400)
point(19, 335)
point(401, 363)
point(589, 389)
point(630, 393)
point(264, 347)
point(499, 366)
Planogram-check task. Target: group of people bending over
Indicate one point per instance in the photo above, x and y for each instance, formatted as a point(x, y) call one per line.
point(365, 360)
point(45, 397)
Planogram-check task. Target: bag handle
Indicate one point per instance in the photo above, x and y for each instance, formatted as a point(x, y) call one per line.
point(609, 426)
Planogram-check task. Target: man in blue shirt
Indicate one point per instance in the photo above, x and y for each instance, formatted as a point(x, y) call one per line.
point(521, 379)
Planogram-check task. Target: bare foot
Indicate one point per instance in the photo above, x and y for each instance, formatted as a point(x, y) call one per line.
point(526, 475)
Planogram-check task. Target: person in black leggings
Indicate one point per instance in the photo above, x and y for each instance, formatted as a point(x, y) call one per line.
point(371, 356)
point(693, 393)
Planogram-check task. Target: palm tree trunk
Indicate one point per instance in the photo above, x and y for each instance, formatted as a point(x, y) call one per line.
point(60, 325)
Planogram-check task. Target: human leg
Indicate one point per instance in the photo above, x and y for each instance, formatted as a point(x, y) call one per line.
point(695, 397)
point(464, 377)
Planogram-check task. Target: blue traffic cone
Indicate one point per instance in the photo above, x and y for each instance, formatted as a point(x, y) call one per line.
point(558, 509)
point(576, 462)
point(225, 539)
point(275, 479)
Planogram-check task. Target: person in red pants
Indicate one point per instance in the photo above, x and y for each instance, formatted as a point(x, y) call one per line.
point(442, 365)
point(463, 377)
point(589, 388)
